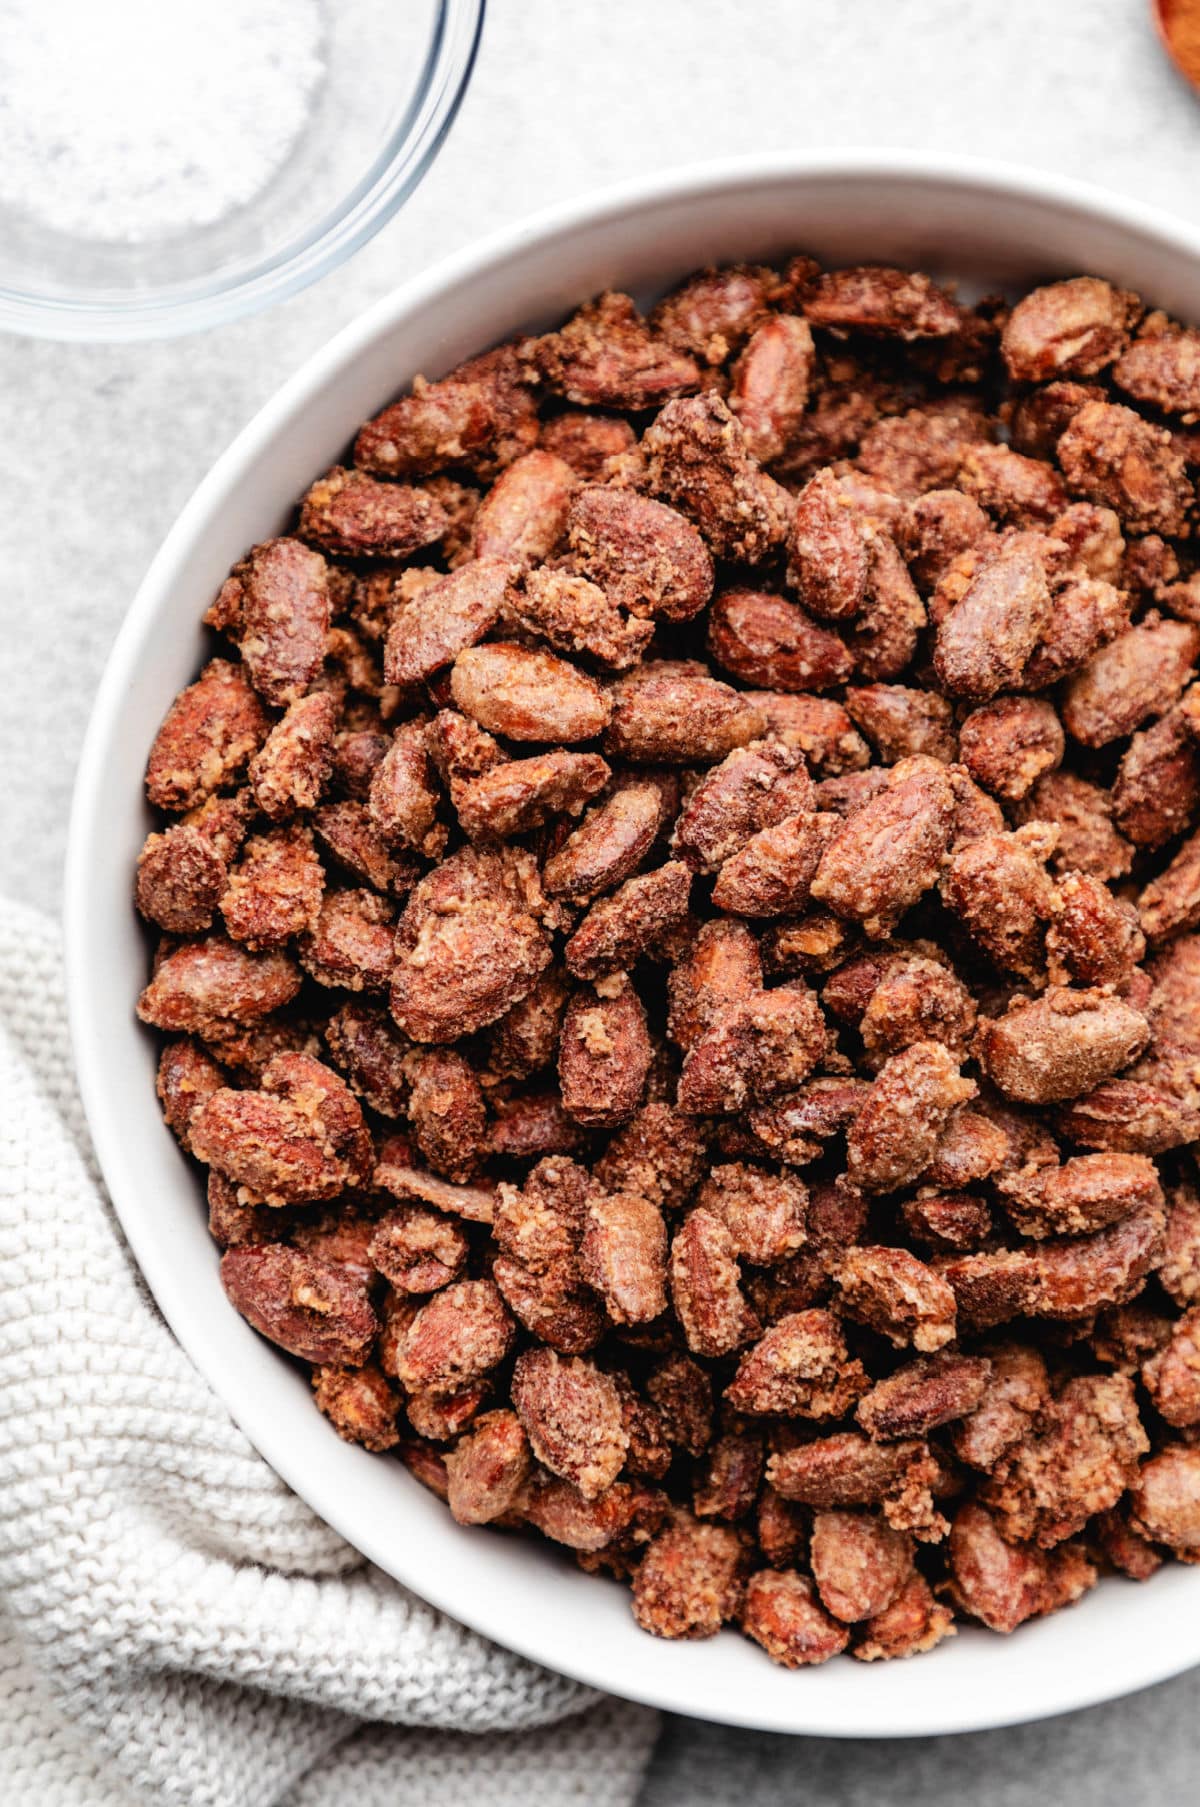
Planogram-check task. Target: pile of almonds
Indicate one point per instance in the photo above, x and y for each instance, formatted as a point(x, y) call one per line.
point(679, 899)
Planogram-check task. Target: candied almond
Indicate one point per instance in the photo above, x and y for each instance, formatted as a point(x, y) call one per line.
point(782, 1612)
point(181, 878)
point(889, 852)
point(610, 842)
point(521, 519)
point(1014, 489)
point(901, 722)
point(859, 1563)
point(619, 928)
point(275, 605)
point(526, 694)
point(445, 423)
point(922, 449)
point(1094, 541)
point(487, 1468)
point(1083, 814)
point(895, 1132)
point(947, 1220)
point(796, 1126)
point(1004, 1584)
point(461, 1334)
point(623, 1256)
point(753, 1050)
point(923, 1395)
point(1112, 456)
point(669, 713)
point(816, 726)
point(1080, 1457)
point(576, 616)
point(350, 945)
point(764, 639)
point(711, 313)
point(349, 512)
point(430, 627)
point(348, 834)
point(556, 1308)
point(893, 1293)
point(1172, 1376)
point(828, 550)
point(689, 1582)
point(763, 1212)
point(200, 985)
point(1015, 1391)
point(317, 1310)
point(1060, 1045)
point(604, 1054)
point(571, 1413)
point(292, 767)
point(706, 1286)
point(1094, 938)
point(998, 888)
point(772, 873)
point(872, 298)
point(754, 787)
point(1085, 1193)
point(983, 644)
point(606, 356)
point(698, 459)
point(1165, 1500)
point(1073, 328)
point(586, 441)
point(916, 1000)
point(935, 529)
point(207, 737)
point(1163, 369)
point(1156, 792)
point(770, 383)
point(913, 1622)
point(466, 950)
point(799, 1368)
point(187, 1078)
point(274, 892)
point(659, 1155)
point(849, 1469)
point(359, 1403)
point(1007, 745)
point(645, 556)
point(727, 1479)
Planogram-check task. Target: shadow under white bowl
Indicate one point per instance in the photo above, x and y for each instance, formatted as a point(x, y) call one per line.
point(991, 226)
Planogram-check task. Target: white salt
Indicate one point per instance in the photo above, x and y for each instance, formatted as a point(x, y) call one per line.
point(130, 120)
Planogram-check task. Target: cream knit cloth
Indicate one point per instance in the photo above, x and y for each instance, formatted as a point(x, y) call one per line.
point(174, 1624)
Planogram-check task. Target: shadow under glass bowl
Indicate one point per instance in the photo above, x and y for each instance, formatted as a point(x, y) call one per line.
point(390, 83)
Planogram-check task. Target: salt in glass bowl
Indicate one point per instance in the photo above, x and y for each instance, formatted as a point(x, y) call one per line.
point(391, 81)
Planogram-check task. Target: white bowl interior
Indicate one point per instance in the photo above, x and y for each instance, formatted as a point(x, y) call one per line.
point(989, 227)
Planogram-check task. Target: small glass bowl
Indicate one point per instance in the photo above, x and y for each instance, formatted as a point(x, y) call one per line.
point(394, 76)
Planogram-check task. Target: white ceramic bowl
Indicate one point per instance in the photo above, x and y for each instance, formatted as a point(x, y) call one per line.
point(988, 225)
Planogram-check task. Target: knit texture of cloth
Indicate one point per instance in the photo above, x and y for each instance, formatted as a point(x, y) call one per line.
point(175, 1626)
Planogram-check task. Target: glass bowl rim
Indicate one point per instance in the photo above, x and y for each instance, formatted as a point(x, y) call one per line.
point(353, 220)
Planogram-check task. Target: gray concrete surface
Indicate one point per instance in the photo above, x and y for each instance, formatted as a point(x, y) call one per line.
point(101, 446)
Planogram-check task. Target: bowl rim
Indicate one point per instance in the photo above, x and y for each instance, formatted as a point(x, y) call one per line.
point(1002, 180)
point(206, 301)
